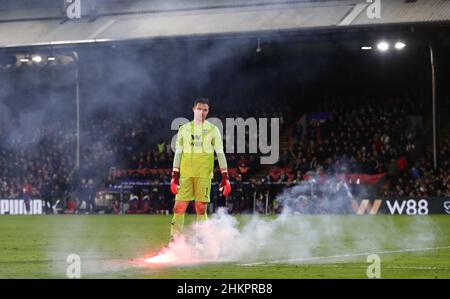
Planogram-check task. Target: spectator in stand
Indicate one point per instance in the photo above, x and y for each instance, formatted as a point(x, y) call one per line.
point(133, 205)
point(91, 192)
point(243, 167)
point(82, 195)
point(27, 192)
point(46, 195)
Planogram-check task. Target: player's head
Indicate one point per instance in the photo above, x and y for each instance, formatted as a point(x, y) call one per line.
point(200, 109)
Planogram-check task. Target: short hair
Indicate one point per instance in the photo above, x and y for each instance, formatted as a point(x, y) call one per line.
point(201, 101)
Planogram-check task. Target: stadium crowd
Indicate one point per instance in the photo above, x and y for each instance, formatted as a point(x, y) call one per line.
point(347, 137)
point(373, 139)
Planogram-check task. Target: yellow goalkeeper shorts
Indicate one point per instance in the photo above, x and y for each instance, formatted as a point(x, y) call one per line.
point(194, 188)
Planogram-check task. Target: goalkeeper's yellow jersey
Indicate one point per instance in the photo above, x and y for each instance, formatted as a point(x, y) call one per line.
point(198, 142)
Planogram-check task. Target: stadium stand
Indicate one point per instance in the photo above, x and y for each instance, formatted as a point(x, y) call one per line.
point(345, 138)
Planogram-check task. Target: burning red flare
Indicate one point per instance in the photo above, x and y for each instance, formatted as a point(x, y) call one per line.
point(178, 253)
point(162, 258)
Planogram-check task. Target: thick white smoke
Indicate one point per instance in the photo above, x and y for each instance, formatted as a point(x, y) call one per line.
point(293, 237)
point(287, 238)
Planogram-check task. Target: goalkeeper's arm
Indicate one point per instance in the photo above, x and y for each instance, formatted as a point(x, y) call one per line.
point(177, 160)
point(222, 161)
point(175, 181)
point(225, 185)
point(178, 151)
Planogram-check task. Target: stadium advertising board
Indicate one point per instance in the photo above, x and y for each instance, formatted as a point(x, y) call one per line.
point(383, 206)
point(402, 206)
point(18, 207)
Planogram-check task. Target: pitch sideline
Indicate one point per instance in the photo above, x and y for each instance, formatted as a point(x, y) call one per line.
point(342, 256)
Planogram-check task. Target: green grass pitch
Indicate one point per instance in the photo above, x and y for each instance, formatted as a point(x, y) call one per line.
point(37, 247)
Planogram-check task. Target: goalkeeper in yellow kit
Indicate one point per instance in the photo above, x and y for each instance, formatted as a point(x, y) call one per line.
point(193, 166)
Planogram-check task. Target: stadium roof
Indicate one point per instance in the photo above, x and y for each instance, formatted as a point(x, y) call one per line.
point(43, 23)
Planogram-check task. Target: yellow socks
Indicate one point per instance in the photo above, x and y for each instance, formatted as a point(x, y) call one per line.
point(176, 226)
point(202, 217)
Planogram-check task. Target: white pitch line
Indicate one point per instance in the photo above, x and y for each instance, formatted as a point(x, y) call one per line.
point(417, 268)
point(385, 267)
point(342, 255)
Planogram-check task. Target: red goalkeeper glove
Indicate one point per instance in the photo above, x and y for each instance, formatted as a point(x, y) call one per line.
point(175, 182)
point(225, 185)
